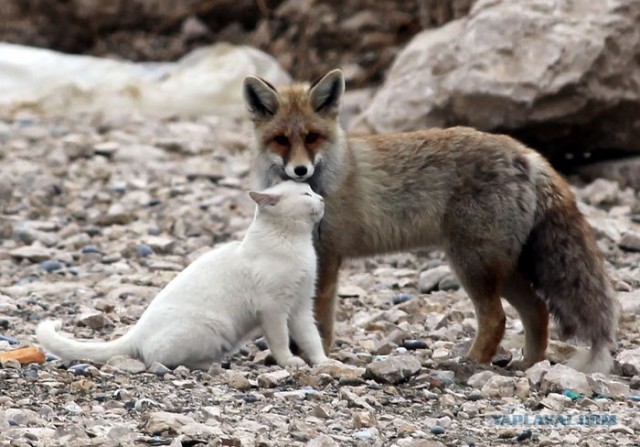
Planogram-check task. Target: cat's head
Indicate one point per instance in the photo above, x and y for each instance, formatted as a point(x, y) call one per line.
point(290, 200)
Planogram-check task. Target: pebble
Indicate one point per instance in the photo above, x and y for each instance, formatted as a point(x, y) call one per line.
point(90, 249)
point(273, 379)
point(394, 369)
point(523, 436)
point(402, 298)
point(50, 265)
point(412, 345)
point(34, 253)
point(159, 369)
point(428, 280)
point(437, 430)
point(144, 251)
point(561, 377)
point(127, 364)
point(94, 320)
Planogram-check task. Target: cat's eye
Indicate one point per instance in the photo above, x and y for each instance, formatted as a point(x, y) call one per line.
point(311, 138)
point(281, 140)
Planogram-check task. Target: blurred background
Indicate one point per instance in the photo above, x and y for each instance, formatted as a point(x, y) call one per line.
point(563, 76)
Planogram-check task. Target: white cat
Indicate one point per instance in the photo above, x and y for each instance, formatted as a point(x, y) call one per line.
point(211, 308)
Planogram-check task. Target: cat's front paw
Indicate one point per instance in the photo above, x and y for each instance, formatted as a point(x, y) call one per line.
point(321, 360)
point(294, 362)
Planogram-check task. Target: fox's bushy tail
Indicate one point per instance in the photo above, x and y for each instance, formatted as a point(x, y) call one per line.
point(564, 264)
point(69, 349)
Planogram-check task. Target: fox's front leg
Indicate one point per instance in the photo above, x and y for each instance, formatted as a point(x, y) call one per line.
point(326, 296)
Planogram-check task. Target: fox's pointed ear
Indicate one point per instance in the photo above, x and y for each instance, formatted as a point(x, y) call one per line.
point(325, 94)
point(260, 96)
point(263, 199)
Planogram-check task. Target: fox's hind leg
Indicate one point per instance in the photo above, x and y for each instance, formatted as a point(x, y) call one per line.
point(326, 296)
point(483, 289)
point(535, 319)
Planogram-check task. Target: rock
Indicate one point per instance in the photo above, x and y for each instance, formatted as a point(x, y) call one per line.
point(561, 377)
point(160, 244)
point(523, 436)
point(449, 282)
point(322, 441)
point(338, 370)
point(437, 430)
point(50, 265)
point(625, 172)
point(164, 422)
point(144, 250)
point(629, 360)
point(499, 386)
point(94, 320)
point(273, 379)
point(604, 386)
point(479, 379)
point(630, 241)
point(402, 298)
point(602, 192)
point(394, 369)
point(351, 292)
point(238, 381)
point(363, 419)
point(158, 369)
point(429, 279)
point(412, 345)
point(558, 92)
point(537, 371)
point(34, 253)
point(127, 364)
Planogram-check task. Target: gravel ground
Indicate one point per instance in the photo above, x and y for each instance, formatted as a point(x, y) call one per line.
point(97, 216)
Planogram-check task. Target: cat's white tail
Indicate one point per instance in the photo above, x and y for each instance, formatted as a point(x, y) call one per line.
point(69, 349)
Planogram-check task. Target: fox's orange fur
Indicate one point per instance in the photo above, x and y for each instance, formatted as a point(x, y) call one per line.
point(507, 221)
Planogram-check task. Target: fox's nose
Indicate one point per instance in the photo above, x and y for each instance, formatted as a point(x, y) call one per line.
point(300, 170)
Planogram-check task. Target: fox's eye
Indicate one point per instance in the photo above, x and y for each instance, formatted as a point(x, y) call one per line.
point(281, 140)
point(311, 138)
point(306, 194)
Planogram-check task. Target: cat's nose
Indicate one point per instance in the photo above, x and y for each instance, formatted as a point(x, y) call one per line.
point(300, 170)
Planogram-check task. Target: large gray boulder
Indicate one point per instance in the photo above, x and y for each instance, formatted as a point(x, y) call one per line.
point(556, 73)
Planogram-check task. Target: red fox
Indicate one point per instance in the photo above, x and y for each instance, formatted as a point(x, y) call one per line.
point(507, 221)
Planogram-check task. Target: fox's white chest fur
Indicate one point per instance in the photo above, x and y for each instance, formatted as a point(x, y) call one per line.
point(263, 284)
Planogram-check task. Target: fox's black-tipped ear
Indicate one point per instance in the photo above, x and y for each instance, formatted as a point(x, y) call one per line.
point(326, 92)
point(263, 199)
point(260, 96)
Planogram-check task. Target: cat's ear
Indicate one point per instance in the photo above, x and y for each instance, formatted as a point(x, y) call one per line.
point(325, 94)
point(263, 199)
point(260, 97)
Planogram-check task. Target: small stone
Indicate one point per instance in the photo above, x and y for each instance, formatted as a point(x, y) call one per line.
point(479, 379)
point(537, 371)
point(629, 360)
point(449, 282)
point(428, 280)
point(158, 369)
point(413, 345)
point(630, 241)
point(440, 354)
point(160, 244)
point(163, 421)
point(262, 344)
point(622, 429)
point(344, 372)
point(237, 381)
point(394, 369)
point(82, 386)
point(34, 253)
point(561, 377)
point(273, 379)
point(351, 292)
point(523, 436)
point(502, 358)
point(499, 386)
point(604, 386)
point(634, 383)
point(523, 388)
point(94, 320)
point(437, 430)
point(127, 364)
point(144, 251)
point(106, 149)
point(90, 249)
point(322, 441)
point(50, 265)
point(402, 298)
point(365, 435)
point(10, 340)
point(363, 419)
point(83, 369)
